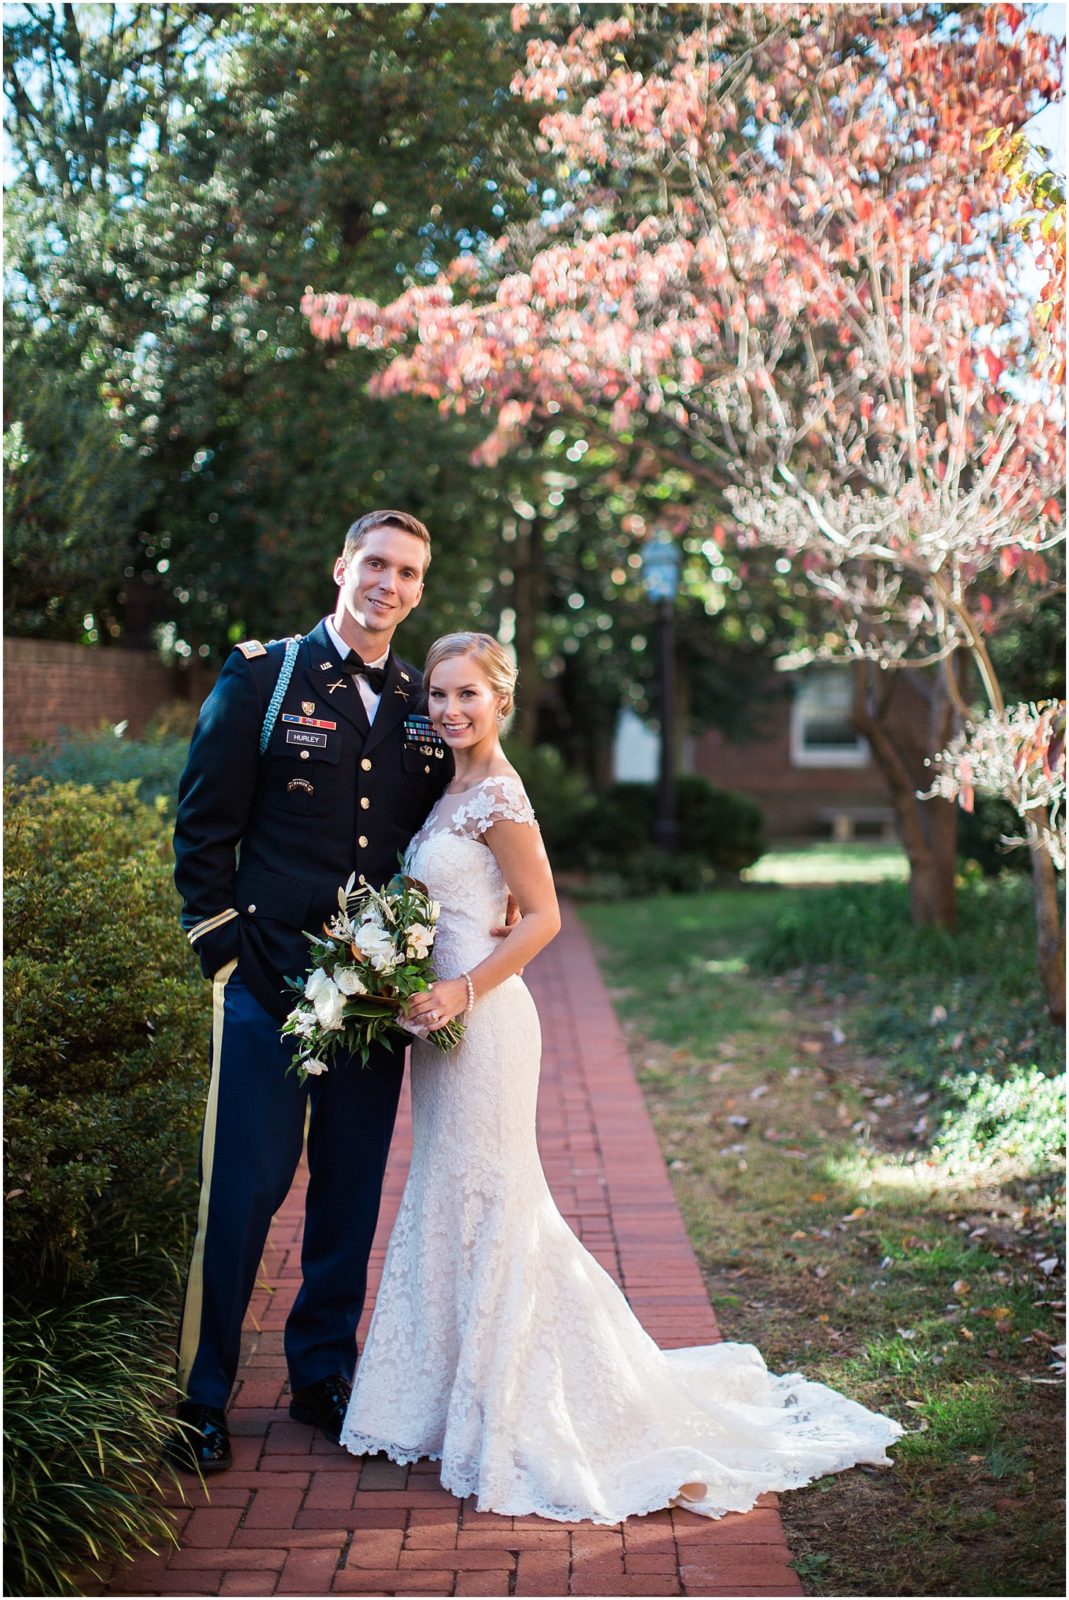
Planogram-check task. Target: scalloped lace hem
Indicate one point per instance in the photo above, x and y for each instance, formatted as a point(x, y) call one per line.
point(662, 1497)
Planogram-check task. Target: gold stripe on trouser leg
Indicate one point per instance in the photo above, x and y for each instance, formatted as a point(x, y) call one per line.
point(189, 1337)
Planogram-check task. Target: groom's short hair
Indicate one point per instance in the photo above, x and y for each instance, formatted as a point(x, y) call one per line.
point(364, 525)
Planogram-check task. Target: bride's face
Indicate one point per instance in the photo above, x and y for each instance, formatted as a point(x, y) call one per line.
point(461, 703)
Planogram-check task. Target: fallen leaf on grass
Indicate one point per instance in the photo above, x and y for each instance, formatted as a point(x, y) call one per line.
point(817, 1197)
point(961, 1286)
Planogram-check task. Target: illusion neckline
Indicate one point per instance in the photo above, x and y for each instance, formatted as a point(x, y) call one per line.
point(492, 777)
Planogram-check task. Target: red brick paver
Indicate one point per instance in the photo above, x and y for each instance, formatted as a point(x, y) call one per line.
point(297, 1516)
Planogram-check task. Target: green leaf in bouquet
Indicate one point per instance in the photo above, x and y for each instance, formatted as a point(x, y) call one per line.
point(371, 1006)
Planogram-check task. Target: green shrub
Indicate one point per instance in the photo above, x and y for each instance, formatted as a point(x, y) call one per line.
point(648, 872)
point(106, 1040)
point(85, 1395)
point(1019, 1122)
point(723, 830)
point(153, 764)
point(867, 927)
point(563, 801)
point(980, 835)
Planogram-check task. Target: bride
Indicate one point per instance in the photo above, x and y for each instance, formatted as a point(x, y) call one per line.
point(498, 1345)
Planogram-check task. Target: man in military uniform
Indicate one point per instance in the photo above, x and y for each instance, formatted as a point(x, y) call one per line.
point(306, 764)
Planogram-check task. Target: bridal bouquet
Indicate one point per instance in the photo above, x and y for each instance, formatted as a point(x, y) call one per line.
point(374, 958)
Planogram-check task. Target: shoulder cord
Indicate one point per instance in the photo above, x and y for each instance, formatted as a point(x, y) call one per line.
point(284, 676)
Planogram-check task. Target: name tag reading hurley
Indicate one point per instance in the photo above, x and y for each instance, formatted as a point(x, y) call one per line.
point(298, 736)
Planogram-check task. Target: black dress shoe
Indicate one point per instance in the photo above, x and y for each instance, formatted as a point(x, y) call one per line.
point(202, 1446)
point(323, 1404)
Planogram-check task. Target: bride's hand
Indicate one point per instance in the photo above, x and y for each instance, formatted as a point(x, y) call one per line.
point(444, 1000)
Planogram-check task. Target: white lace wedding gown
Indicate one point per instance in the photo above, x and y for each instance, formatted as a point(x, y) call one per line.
point(498, 1344)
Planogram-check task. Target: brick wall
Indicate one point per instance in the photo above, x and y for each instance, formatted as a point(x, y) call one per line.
point(49, 686)
point(799, 800)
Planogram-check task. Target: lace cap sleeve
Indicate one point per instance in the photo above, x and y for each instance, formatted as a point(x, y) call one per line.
point(500, 799)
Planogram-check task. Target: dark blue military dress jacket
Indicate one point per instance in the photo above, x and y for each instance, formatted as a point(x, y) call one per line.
point(263, 842)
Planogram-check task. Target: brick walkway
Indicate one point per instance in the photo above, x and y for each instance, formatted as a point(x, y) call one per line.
point(295, 1515)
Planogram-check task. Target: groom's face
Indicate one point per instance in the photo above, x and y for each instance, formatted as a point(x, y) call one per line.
point(381, 581)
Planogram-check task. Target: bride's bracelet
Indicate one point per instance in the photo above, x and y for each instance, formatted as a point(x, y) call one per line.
point(471, 994)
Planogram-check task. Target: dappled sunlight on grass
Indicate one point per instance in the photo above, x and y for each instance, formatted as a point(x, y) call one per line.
point(870, 1172)
point(866, 1174)
point(821, 861)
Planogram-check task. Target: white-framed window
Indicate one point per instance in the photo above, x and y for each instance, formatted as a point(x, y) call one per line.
point(822, 734)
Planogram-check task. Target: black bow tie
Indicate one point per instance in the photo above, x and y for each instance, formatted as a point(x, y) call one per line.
point(357, 667)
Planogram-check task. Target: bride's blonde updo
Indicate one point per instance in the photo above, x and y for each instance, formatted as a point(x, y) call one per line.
point(494, 662)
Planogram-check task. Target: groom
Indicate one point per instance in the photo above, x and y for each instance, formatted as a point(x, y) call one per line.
point(290, 787)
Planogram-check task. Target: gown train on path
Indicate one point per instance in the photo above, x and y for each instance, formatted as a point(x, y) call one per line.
point(498, 1345)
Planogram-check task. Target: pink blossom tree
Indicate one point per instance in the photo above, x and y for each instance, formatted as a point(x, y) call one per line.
point(779, 254)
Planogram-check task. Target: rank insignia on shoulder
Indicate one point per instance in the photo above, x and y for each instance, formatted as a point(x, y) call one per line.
point(252, 648)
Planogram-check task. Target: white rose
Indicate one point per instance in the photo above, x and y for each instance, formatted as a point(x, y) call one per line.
point(349, 981)
point(329, 1004)
point(317, 981)
point(420, 939)
point(377, 947)
point(313, 1066)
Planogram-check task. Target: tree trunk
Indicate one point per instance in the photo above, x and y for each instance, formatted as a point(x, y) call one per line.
point(527, 588)
point(1050, 930)
point(929, 828)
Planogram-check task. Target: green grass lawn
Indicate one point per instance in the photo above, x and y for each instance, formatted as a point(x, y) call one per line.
point(800, 1115)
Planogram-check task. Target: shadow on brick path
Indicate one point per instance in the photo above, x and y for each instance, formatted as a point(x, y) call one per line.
point(297, 1516)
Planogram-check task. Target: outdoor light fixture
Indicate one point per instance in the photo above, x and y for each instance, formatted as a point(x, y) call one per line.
point(660, 575)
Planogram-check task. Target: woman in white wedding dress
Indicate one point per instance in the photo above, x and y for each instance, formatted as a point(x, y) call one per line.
point(498, 1344)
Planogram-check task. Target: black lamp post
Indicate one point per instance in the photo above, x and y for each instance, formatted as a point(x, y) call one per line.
point(660, 571)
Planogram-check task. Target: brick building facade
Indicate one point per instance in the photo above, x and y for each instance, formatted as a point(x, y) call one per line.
point(50, 686)
point(807, 768)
